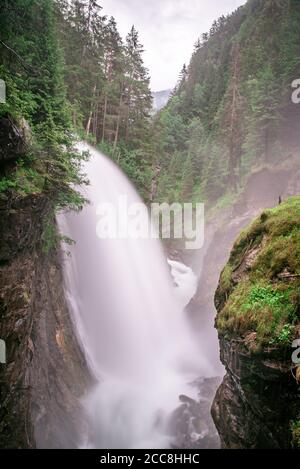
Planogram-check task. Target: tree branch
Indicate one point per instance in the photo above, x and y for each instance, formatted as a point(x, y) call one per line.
point(26, 66)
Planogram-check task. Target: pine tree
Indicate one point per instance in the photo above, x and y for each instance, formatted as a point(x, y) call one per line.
point(232, 118)
point(81, 33)
point(137, 94)
point(188, 181)
point(114, 83)
point(33, 66)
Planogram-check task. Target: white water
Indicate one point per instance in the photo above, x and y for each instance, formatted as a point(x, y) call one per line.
point(130, 319)
point(185, 282)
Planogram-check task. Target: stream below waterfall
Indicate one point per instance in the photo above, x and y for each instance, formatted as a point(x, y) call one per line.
point(127, 302)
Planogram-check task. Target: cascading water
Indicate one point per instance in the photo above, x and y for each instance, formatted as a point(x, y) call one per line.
point(130, 318)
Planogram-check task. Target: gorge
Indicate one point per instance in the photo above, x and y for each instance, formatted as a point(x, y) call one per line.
point(137, 343)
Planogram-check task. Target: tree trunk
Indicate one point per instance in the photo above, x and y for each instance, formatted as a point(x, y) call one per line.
point(104, 118)
point(128, 113)
point(267, 132)
point(154, 184)
point(118, 122)
point(88, 125)
point(95, 121)
point(74, 117)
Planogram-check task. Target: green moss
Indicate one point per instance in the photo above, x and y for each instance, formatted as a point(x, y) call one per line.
point(226, 278)
point(295, 430)
point(248, 239)
point(51, 236)
point(263, 300)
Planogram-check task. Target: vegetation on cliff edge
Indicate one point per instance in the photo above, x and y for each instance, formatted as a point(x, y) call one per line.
point(259, 290)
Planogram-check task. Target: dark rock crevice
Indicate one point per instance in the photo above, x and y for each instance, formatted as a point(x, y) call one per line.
point(256, 401)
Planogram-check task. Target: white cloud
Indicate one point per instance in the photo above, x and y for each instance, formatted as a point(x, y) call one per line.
point(168, 30)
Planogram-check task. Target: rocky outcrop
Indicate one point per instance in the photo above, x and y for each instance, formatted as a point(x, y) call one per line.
point(257, 401)
point(45, 374)
point(258, 304)
point(262, 189)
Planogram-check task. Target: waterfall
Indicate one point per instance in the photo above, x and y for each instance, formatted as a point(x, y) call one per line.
point(129, 315)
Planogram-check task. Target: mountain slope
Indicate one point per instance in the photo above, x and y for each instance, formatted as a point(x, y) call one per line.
point(160, 99)
point(231, 112)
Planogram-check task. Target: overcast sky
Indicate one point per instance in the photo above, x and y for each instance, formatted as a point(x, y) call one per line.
point(168, 30)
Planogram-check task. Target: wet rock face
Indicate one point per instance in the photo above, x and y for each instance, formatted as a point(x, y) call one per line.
point(256, 401)
point(45, 374)
point(191, 423)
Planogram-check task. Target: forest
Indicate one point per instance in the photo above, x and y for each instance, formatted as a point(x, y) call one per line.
point(231, 105)
point(81, 76)
point(66, 69)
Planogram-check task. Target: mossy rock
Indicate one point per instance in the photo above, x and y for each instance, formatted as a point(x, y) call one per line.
point(259, 289)
point(295, 430)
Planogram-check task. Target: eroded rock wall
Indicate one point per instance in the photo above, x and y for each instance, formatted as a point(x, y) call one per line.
point(45, 374)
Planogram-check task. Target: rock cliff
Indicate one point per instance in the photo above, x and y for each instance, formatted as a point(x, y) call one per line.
point(45, 373)
point(258, 304)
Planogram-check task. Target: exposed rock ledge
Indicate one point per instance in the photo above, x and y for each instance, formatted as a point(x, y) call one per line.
point(257, 400)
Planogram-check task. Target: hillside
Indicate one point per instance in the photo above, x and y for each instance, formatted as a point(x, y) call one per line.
point(160, 99)
point(231, 112)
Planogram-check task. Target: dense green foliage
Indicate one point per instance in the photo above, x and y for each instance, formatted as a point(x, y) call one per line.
point(108, 86)
point(231, 110)
point(264, 296)
point(32, 67)
point(66, 69)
